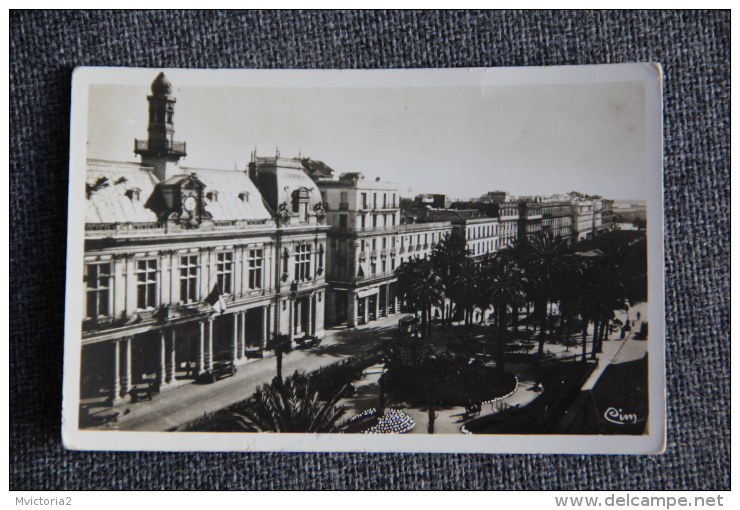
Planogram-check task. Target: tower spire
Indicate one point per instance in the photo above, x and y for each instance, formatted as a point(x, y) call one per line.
point(160, 150)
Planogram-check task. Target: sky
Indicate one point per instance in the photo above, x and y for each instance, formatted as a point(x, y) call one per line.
point(462, 141)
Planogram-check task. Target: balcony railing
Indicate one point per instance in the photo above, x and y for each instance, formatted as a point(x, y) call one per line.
point(129, 228)
point(365, 230)
point(426, 246)
point(159, 147)
point(421, 227)
point(343, 206)
point(374, 254)
point(152, 227)
point(418, 247)
point(363, 255)
point(402, 249)
point(383, 252)
point(371, 277)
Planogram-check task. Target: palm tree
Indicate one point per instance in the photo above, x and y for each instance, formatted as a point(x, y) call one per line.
point(447, 256)
point(547, 263)
point(504, 284)
point(282, 346)
point(466, 288)
point(420, 286)
point(293, 406)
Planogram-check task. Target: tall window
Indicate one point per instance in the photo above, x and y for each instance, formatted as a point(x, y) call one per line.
point(364, 200)
point(362, 220)
point(255, 269)
point(224, 271)
point(303, 262)
point(98, 283)
point(320, 256)
point(146, 283)
point(189, 279)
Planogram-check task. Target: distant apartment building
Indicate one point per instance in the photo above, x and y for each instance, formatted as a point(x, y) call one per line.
point(583, 219)
point(480, 232)
point(366, 245)
point(557, 221)
point(433, 200)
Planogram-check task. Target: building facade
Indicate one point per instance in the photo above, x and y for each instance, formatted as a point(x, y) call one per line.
point(185, 267)
point(366, 245)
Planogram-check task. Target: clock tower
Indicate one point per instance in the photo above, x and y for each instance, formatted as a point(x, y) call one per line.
point(160, 150)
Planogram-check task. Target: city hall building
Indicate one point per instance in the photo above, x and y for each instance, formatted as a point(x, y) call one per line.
point(185, 267)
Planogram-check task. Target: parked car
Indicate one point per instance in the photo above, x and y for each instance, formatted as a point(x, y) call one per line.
point(220, 369)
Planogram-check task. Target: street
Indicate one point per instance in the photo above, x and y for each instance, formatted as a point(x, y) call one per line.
point(175, 408)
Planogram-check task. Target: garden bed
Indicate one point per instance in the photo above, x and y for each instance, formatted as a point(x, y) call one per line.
point(562, 382)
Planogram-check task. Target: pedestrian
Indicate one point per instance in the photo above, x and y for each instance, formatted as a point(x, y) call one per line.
point(638, 316)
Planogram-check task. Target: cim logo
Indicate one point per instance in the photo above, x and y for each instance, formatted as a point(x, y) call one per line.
point(619, 417)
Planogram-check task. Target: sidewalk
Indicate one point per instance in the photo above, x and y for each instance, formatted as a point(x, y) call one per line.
point(177, 407)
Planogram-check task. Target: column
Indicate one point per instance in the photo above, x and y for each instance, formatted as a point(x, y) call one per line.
point(201, 343)
point(162, 367)
point(291, 313)
point(365, 309)
point(270, 320)
point(130, 286)
point(263, 340)
point(351, 309)
point(119, 285)
point(235, 337)
point(170, 365)
point(309, 319)
point(388, 301)
point(243, 335)
point(116, 397)
point(209, 345)
point(126, 375)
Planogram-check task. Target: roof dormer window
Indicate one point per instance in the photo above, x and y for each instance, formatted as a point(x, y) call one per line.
point(244, 196)
point(212, 196)
point(134, 194)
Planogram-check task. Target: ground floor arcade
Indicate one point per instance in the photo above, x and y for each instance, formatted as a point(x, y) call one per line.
point(164, 354)
point(361, 305)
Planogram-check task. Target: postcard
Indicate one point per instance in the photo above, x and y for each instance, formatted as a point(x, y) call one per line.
point(426, 260)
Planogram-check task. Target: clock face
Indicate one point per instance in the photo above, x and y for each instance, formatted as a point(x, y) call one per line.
point(189, 204)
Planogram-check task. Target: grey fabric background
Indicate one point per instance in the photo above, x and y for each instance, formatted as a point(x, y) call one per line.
point(694, 48)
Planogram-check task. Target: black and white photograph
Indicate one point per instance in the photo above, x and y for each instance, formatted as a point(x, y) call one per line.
point(457, 260)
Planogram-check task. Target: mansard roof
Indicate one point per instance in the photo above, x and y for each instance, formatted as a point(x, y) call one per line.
point(229, 202)
point(116, 192)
